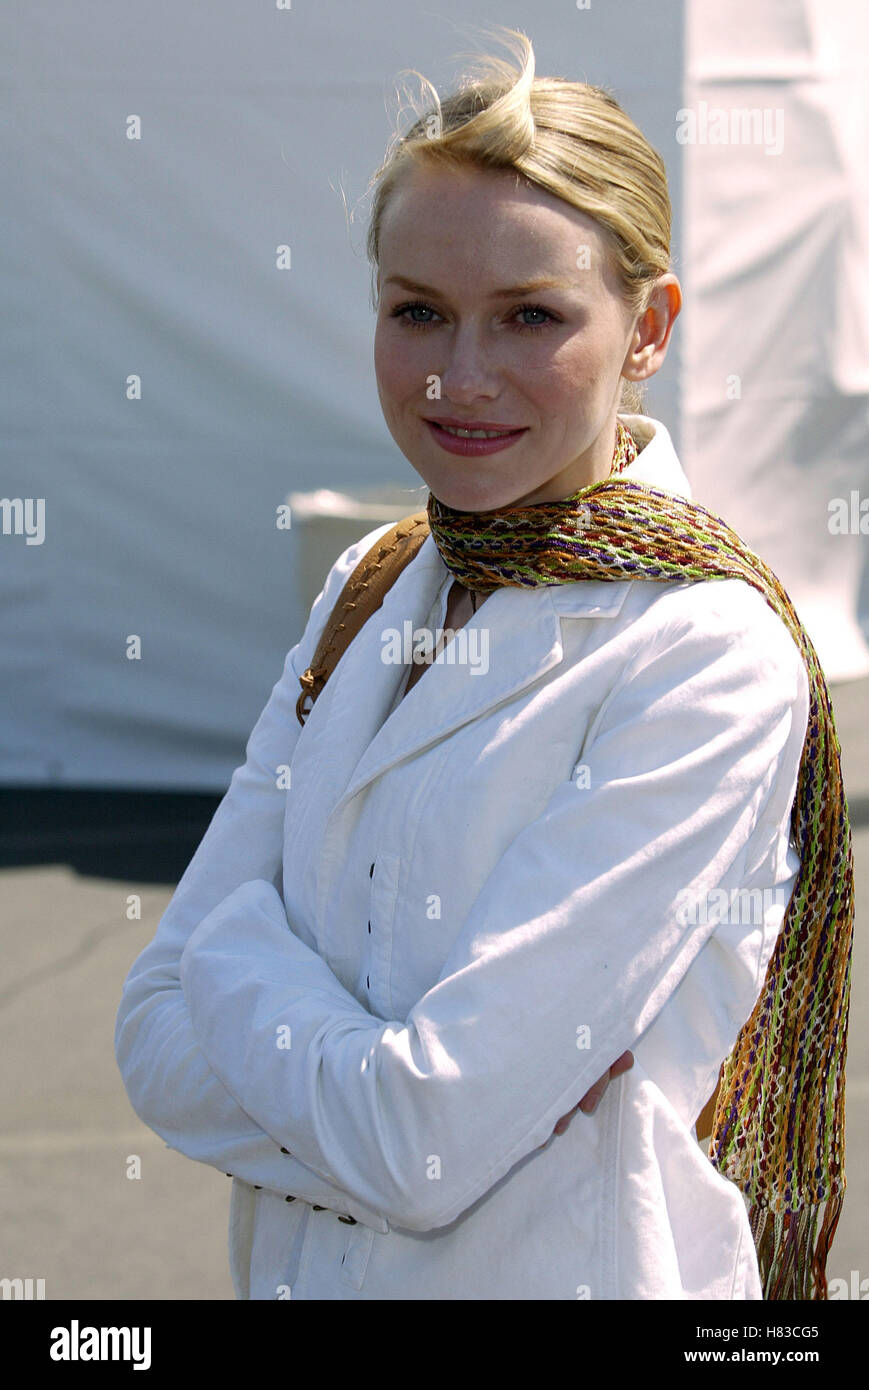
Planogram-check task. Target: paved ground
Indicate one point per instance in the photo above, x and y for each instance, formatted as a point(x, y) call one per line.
point(68, 1212)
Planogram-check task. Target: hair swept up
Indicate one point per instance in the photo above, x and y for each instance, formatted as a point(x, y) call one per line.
point(571, 139)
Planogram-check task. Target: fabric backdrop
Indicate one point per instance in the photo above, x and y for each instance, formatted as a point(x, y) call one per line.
point(170, 374)
point(776, 347)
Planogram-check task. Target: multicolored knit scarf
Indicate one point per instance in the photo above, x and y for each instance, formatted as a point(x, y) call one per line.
point(778, 1129)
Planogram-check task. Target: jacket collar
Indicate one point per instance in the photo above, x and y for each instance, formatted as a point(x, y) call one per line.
point(358, 694)
point(656, 462)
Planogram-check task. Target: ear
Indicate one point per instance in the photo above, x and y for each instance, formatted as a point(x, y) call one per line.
point(651, 335)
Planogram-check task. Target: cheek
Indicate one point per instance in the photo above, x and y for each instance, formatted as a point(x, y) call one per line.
point(563, 386)
point(580, 368)
point(394, 366)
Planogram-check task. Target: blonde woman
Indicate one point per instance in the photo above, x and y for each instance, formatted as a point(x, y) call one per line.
point(500, 887)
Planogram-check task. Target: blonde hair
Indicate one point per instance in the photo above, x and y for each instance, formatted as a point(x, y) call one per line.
point(569, 138)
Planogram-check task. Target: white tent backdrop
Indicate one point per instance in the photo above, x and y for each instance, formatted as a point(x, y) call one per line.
point(156, 258)
point(166, 383)
point(776, 382)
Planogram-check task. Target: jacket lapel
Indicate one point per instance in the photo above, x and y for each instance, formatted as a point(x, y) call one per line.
point(507, 653)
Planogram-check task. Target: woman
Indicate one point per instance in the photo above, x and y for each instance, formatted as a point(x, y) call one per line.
point(486, 888)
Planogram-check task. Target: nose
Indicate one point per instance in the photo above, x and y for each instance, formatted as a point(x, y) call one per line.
point(469, 370)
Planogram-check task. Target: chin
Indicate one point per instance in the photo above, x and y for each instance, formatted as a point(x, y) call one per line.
point(469, 501)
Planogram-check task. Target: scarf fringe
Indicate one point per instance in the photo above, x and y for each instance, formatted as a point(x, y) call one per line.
point(792, 1248)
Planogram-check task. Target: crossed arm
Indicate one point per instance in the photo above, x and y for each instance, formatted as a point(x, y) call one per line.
point(169, 1079)
point(565, 932)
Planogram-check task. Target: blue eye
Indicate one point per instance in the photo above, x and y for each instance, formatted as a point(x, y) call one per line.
point(534, 309)
point(408, 308)
point(404, 309)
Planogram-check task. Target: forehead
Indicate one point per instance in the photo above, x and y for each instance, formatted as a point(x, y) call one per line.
point(479, 219)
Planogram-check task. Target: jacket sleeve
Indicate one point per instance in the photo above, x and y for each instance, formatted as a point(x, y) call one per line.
point(168, 1078)
point(581, 926)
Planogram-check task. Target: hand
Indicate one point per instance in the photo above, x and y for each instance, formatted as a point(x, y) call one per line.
point(593, 1095)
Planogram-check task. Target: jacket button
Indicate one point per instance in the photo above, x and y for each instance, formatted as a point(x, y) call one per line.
point(257, 1187)
point(371, 872)
point(229, 1175)
point(283, 1150)
point(368, 981)
point(319, 1208)
point(369, 926)
point(348, 1220)
point(289, 1199)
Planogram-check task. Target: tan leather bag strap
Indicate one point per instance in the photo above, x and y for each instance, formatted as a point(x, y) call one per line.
point(362, 595)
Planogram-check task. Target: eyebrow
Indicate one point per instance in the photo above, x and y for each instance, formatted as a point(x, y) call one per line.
point(530, 287)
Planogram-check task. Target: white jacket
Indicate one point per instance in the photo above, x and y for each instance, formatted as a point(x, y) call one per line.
point(405, 967)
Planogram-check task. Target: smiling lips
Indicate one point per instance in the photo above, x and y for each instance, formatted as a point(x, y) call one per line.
point(475, 438)
point(489, 426)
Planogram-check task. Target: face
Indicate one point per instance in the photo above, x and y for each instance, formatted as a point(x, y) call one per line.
point(466, 334)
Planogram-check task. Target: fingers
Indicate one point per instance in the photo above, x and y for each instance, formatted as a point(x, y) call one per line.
point(622, 1064)
point(594, 1094)
point(593, 1097)
point(565, 1121)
